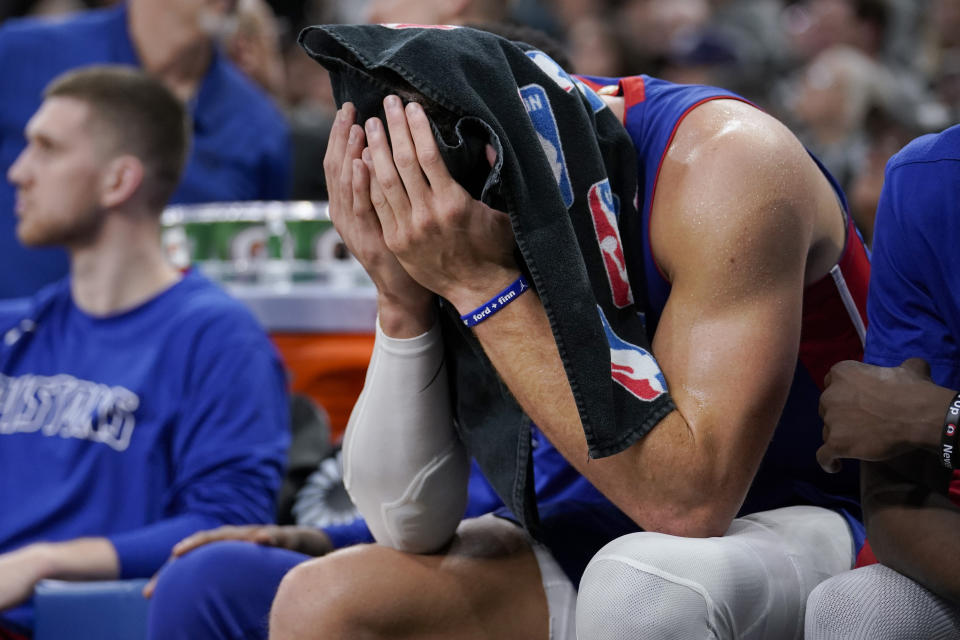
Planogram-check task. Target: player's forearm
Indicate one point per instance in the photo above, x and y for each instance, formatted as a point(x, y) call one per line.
point(79, 559)
point(404, 465)
point(665, 482)
point(910, 526)
point(404, 317)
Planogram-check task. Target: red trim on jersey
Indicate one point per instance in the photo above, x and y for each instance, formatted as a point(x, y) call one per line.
point(663, 156)
point(954, 491)
point(821, 341)
point(866, 556)
point(6, 634)
point(634, 91)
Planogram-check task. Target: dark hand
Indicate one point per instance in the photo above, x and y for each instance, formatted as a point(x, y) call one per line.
point(875, 413)
point(306, 540)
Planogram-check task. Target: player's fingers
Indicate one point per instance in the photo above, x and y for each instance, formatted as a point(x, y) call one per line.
point(151, 586)
point(355, 142)
point(918, 366)
point(360, 186)
point(404, 150)
point(227, 532)
point(337, 143)
point(828, 460)
point(196, 540)
point(267, 536)
point(381, 206)
point(826, 401)
point(425, 145)
point(383, 168)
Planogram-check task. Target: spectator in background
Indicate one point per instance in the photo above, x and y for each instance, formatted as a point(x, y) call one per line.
point(886, 132)
point(900, 420)
point(813, 26)
point(240, 150)
point(437, 11)
point(139, 405)
point(940, 62)
point(253, 44)
point(830, 103)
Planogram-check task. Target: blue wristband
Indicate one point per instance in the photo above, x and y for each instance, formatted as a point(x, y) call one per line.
point(496, 303)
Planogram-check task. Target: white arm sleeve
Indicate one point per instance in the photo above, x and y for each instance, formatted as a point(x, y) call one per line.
point(404, 466)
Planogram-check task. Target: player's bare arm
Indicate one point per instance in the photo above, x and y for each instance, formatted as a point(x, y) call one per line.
point(737, 221)
point(909, 525)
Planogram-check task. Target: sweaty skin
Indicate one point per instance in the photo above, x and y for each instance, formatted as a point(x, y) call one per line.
point(742, 220)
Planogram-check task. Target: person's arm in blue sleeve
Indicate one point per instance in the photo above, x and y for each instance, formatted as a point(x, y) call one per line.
point(228, 454)
point(890, 413)
point(228, 451)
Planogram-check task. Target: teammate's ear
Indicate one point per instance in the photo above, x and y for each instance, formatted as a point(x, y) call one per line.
point(491, 155)
point(122, 178)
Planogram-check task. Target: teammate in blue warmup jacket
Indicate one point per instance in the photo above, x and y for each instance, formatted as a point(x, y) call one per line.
point(137, 405)
point(755, 285)
point(240, 145)
point(897, 411)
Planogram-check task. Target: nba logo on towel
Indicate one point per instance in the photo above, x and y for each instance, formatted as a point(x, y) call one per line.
point(604, 209)
point(541, 115)
point(596, 102)
point(564, 80)
point(632, 367)
point(552, 69)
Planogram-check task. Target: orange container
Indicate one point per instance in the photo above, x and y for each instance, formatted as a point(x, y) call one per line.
point(329, 368)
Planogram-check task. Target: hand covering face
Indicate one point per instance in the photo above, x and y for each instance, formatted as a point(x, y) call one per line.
point(566, 174)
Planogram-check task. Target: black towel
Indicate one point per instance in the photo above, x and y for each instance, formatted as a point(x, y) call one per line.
point(566, 174)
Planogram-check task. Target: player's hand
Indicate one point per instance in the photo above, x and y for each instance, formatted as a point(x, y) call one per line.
point(876, 413)
point(20, 571)
point(449, 242)
point(306, 540)
point(406, 308)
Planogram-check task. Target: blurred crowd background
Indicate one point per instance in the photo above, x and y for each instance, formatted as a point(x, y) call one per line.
point(855, 79)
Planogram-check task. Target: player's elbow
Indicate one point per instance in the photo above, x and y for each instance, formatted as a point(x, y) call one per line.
point(691, 520)
point(412, 529)
point(700, 523)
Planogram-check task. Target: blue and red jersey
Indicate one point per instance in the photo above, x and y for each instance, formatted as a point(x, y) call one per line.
point(834, 308)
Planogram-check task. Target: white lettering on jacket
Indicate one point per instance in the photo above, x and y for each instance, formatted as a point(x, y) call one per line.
point(68, 407)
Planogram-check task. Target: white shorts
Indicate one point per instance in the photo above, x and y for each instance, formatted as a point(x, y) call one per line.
point(750, 584)
point(561, 596)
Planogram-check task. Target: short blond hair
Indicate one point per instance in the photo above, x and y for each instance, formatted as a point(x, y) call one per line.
point(148, 120)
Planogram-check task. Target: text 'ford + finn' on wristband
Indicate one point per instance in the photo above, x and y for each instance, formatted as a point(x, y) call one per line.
point(496, 303)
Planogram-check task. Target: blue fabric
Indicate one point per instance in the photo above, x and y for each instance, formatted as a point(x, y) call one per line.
point(143, 427)
point(914, 303)
point(240, 149)
point(219, 591)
